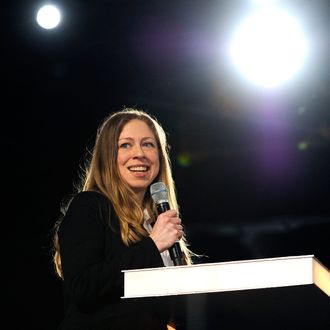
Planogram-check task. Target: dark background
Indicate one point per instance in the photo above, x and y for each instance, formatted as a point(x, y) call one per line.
point(245, 188)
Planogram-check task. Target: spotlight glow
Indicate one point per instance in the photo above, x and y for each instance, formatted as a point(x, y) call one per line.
point(184, 159)
point(48, 17)
point(268, 48)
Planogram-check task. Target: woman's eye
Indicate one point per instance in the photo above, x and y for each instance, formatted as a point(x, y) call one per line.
point(149, 144)
point(124, 145)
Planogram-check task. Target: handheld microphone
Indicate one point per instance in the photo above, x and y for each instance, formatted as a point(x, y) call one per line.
point(159, 194)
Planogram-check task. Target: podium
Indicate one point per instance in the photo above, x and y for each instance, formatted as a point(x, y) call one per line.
point(272, 293)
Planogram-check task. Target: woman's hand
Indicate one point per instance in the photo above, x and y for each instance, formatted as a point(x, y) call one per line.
point(166, 230)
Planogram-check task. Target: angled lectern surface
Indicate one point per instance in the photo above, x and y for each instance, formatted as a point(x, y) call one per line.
point(272, 293)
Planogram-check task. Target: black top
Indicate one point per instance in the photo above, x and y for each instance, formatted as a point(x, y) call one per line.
point(93, 256)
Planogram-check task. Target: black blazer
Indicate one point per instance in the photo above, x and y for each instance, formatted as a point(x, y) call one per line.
point(93, 255)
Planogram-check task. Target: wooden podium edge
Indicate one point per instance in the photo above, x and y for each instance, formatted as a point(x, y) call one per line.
point(321, 276)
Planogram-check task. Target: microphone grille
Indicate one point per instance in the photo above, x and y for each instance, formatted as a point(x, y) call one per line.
point(159, 192)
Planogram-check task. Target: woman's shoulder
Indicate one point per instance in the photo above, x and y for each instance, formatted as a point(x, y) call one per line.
point(89, 196)
point(85, 201)
point(86, 207)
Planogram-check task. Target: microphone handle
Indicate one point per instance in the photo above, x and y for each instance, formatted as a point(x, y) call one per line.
point(176, 254)
point(162, 207)
point(175, 250)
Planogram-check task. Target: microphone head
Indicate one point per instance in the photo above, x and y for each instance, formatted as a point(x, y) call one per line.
point(159, 192)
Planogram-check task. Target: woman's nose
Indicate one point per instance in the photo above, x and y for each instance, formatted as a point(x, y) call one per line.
point(138, 151)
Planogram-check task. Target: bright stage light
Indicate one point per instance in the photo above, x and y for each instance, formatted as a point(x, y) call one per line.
point(268, 48)
point(48, 17)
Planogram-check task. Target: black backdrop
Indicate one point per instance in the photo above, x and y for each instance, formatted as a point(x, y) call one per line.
point(245, 187)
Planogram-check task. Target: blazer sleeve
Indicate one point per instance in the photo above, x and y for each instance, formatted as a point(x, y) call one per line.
point(91, 267)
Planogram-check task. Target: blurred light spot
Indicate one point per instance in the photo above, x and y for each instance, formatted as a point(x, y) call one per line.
point(303, 145)
point(183, 159)
point(268, 48)
point(263, 2)
point(301, 109)
point(48, 17)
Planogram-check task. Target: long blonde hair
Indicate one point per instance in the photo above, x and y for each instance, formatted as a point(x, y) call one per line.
point(101, 174)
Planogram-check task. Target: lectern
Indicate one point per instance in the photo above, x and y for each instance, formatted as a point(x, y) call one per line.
point(273, 293)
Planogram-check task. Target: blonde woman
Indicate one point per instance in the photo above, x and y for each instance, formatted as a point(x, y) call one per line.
point(111, 224)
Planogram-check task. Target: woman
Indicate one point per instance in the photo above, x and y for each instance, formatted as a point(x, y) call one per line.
point(111, 224)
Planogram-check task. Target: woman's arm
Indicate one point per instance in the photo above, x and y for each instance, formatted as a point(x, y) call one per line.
point(93, 255)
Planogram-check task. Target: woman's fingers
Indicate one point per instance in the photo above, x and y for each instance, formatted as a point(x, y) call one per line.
point(167, 230)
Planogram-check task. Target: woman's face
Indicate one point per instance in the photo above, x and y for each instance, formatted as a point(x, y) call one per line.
point(138, 156)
